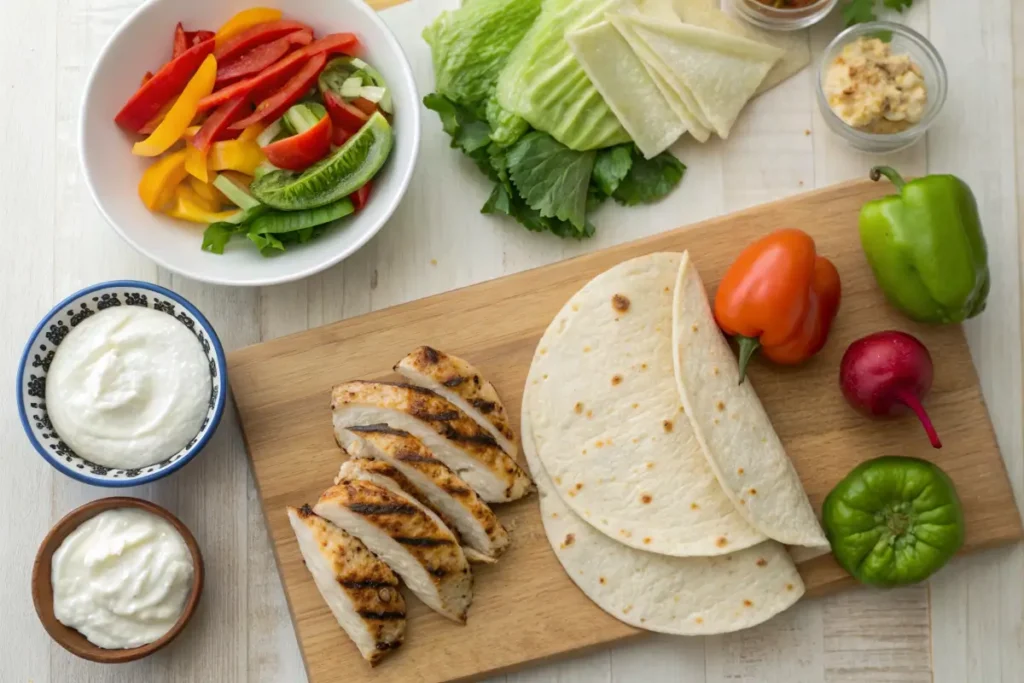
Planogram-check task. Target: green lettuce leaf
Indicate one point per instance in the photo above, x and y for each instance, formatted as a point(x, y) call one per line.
point(217, 235)
point(506, 127)
point(543, 83)
point(503, 202)
point(611, 166)
point(649, 180)
point(470, 45)
point(551, 178)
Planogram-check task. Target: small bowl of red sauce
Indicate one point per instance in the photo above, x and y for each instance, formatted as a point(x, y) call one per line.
point(783, 15)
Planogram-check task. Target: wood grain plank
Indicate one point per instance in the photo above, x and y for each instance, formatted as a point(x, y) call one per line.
point(282, 390)
point(978, 605)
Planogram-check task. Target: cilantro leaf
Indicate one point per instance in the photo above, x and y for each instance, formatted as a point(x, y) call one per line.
point(611, 166)
point(551, 178)
point(649, 180)
point(502, 202)
point(859, 12)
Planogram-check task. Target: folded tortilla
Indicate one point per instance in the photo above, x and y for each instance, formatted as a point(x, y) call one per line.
point(689, 596)
point(624, 83)
point(609, 426)
point(731, 425)
point(720, 70)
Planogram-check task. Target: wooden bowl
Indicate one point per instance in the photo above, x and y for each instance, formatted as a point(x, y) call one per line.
point(42, 588)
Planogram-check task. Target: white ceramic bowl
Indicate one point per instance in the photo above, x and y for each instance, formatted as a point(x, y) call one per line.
point(42, 347)
point(112, 173)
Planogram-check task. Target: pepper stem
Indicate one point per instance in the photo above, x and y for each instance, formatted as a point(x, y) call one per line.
point(889, 172)
point(748, 347)
point(909, 399)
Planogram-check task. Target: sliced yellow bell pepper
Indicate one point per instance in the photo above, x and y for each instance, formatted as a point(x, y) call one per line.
point(235, 155)
point(207, 192)
point(195, 163)
point(189, 206)
point(243, 20)
point(181, 114)
point(156, 189)
point(190, 132)
point(251, 132)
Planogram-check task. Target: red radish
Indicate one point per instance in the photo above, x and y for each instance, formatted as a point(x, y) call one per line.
point(885, 373)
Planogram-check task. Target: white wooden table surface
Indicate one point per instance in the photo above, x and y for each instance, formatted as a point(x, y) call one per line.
point(967, 626)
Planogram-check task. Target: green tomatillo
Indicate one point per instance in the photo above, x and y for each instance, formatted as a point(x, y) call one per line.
point(926, 247)
point(894, 521)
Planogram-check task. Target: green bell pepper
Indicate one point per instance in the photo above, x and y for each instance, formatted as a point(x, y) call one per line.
point(894, 521)
point(926, 247)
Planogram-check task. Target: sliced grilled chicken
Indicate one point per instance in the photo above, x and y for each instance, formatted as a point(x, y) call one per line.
point(456, 380)
point(436, 486)
point(420, 550)
point(384, 475)
point(451, 435)
point(361, 591)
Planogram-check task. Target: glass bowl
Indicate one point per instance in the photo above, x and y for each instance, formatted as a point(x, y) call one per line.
point(782, 19)
point(904, 41)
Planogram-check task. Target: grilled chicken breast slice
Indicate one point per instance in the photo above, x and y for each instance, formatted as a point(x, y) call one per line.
point(455, 380)
point(451, 435)
point(434, 483)
point(361, 591)
point(424, 553)
point(382, 474)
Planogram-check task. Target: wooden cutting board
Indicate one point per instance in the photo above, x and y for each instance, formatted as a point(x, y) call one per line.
point(525, 608)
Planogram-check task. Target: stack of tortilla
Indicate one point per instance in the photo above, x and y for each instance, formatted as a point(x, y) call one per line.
point(667, 68)
point(665, 492)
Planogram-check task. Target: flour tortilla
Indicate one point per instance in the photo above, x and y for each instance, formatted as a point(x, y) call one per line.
point(794, 44)
point(720, 70)
point(677, 95)
point(730, 423)
point(624, 83)
point(688, 596)
point(608, 422)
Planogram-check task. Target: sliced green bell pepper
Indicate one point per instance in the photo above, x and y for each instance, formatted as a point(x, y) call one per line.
point(894, 521)
point(926, 247)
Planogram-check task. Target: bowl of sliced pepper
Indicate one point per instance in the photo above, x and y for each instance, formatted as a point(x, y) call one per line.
point(249, 146)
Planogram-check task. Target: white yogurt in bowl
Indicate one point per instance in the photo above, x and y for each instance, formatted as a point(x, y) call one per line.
point(122, 578)
point(128, 387)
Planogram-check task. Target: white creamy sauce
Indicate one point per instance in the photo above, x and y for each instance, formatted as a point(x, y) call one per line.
point(122, 578)
point(128, 387)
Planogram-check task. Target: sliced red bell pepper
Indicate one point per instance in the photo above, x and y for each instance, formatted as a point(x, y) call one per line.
point(275, 75)
point(257, 35)
point(193, 38)
point(364, 105)
point(339, 136)
point(361, 196)
point(259, 58)
point(216, 126)
point(166, 83)
point(290, 93)
point(344, 115)
point(180, 41)
point(299, 152)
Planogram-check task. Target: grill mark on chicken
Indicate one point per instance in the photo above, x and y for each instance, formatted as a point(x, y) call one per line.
point(439, 572)
point(443, 416)
point(389, 646)
point(379, 428)
point(407, 456)
point(382, 509)
point(481, 438)
point(431, 355)
point(422, 542)
point(455, 491)
point(453, 382)
point(381, 616)
point(485, 407)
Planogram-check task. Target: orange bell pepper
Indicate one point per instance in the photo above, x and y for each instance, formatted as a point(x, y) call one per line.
point(235, 155)
point(244, 20)
point(173, 126)
point(156, 189)
point(190, 206)
point(779, 296)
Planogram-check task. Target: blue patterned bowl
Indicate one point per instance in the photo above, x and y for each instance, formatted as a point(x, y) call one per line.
point(51, 331)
